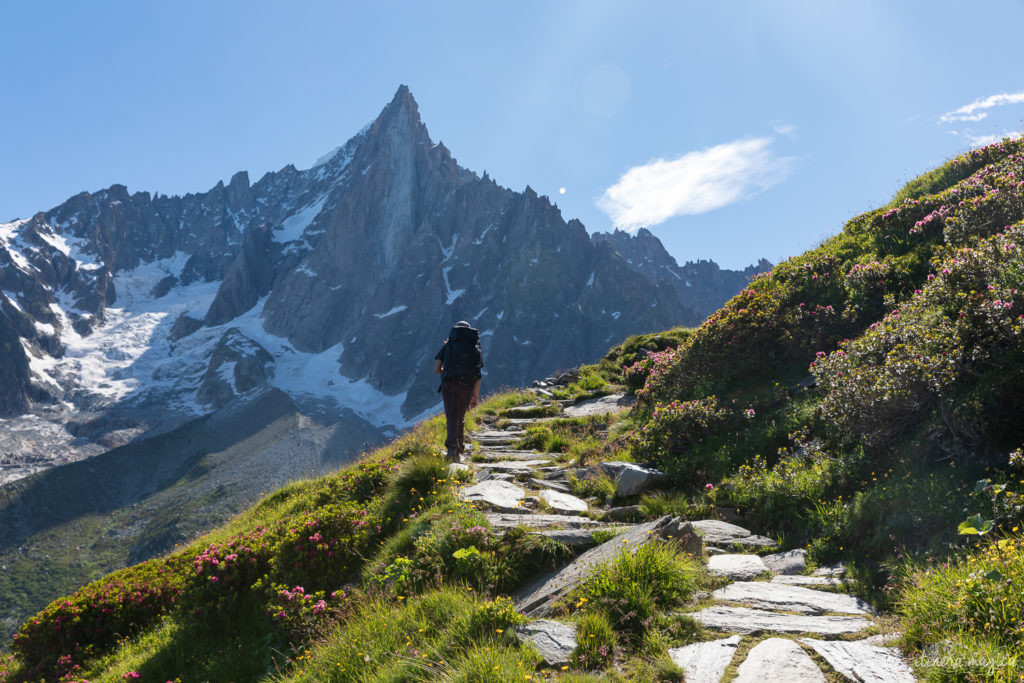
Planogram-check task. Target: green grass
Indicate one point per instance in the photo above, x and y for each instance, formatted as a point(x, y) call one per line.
point(449, 634)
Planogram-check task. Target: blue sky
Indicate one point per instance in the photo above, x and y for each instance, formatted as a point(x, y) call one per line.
point(735, 130)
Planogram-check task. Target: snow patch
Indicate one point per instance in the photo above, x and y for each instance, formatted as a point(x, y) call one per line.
point(396, 309)
point(291, 228)
point(590, 281)
point(453, 294)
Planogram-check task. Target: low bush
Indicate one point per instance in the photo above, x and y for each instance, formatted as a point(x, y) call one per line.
point(965, 617)
point(595, 642)
point(634, 587)
point(667, 440)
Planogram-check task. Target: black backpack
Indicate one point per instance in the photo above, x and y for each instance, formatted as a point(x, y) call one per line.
point(462, 361)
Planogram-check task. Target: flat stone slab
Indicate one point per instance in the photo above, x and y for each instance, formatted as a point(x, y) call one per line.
point(562, 503)
point(613, 403)
point(536, 598)
point(494, 435)
point(525, 421)
point(705, 662)
point(717, 532)
point(822, 581)
point(778, 660)
point(790, 598)
point(550, 484)
point(512, 465)
point(499, 454)
point(509, 520)
point(789, 562)
point(457, 467)
point(859, 661)
point(630, 478)
point(553, 640)
point(835, 570)
point(739, 567)
point(499, 495)
point(746, 620)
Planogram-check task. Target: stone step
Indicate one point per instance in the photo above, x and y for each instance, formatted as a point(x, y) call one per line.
point(737, 567)
point(716, 532)
point(860, 661)
point(575, 538)
point(509, 454)
point(809, 581)
point(613, 403)
point(553, 640)
point(776, 596)
point(542, 521)
point(789, 562)
point(778, 660)
point(746, 620)
point(562, 503)
point(551, 484)
point(497, 495)
point(705, 662)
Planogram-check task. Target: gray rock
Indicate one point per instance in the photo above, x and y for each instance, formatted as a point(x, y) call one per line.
point(883, 639)
point(835, 570)
point(711, 551)
point(503, 454)
point(457, 467)
point(630, 478)
point(536, 599)
point(562, 503)
point(745, 620)
point(808, 580)
point(549, 483)
point(624, 513)
point(513, 466)
point(721, 533)
point(791, 598)
point(682, 533)
point(494, 475)
point(859, 661)
point(498, 495)
point(507, 521)
point(553, 640)
point(238, 365)
point(574, 538)
point(705, 662)
point(789, 562)
point(741, 567)
point(778, 660)
point(613, 403)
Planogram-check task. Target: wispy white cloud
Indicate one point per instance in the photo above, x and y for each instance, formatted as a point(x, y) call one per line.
point(784, 129)
point(982, 140)
point(978, 110)
point(694, 183)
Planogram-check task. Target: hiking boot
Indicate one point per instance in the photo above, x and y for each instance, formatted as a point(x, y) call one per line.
point(453, 455)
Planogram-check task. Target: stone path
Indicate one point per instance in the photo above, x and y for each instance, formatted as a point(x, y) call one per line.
point(768, 610)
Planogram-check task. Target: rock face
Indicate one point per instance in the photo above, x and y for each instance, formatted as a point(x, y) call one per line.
point(348, 274)
point(746, 620)
point(701, 285)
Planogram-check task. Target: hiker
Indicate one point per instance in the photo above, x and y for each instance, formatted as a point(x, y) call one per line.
point(459, 362)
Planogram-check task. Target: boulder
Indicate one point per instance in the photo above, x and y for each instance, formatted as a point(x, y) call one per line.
point(721, 533)
point(778, 660)
point(507, 521)
point(705, 662)
point(682, 533)
point(625, 513)
point(630, 478)
point(613, 403)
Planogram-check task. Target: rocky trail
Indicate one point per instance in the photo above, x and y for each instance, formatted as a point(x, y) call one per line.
point(786, 623)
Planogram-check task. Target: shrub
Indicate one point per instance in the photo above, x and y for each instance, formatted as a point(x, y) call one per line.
point(95, 617)
point(667, 439)
point(595, 642)
point(636, 586)
point(978, 597)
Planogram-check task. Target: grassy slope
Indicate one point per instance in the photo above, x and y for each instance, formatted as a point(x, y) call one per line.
point(872, 462)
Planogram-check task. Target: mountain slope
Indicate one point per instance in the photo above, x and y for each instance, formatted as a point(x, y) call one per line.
point(130, 312)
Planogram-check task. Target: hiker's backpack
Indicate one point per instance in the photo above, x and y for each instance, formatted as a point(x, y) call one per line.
point(462, 361)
